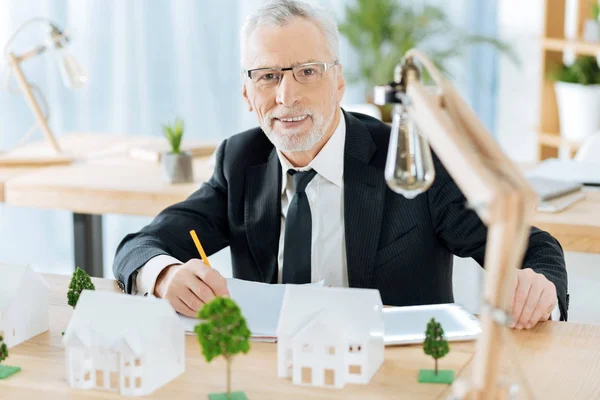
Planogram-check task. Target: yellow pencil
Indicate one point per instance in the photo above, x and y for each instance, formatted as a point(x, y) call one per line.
point(199, 247)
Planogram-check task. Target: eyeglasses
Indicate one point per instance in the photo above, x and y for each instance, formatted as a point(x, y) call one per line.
point(303, 73)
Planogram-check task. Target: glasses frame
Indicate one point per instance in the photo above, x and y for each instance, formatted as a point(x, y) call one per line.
point(326, 65)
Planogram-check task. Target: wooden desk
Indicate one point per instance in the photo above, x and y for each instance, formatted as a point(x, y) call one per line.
point(560, 360)
point(578, 227)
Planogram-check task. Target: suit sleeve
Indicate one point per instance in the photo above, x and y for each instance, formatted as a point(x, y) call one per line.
point(204, 211)
point(463, 232)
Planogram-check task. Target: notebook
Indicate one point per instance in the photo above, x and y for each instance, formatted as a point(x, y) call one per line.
point(549, 189)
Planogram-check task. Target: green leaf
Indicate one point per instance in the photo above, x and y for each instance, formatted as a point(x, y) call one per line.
point(584, 71)
point(223, 330)
point(79, 282)
point(382, 32)
point(174, 135)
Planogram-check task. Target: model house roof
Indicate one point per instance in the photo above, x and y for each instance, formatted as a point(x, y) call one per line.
point(11, 279)
point(355, 311)
point(121, 322)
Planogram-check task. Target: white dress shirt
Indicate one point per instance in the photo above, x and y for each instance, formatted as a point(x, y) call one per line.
point(325, 193)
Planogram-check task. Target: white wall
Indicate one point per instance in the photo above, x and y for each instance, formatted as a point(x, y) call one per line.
point(520, 24)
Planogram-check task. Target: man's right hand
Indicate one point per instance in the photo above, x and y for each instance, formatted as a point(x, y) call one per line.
point(188, 286)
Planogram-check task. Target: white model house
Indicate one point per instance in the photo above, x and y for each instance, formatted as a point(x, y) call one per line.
point(23, 304)
point(330, 336)
point(129, 344)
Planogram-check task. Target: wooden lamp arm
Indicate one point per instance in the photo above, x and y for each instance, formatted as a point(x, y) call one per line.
point(496, 189)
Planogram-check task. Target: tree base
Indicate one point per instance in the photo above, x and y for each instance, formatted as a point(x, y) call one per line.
point(223, 396)
point(6, 371)
point(429, 376)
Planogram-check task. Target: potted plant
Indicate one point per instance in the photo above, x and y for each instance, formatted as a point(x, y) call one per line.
point(591, 28)
point(177, 163)
point(577, 89)
point(223, 332)
point(382, 31)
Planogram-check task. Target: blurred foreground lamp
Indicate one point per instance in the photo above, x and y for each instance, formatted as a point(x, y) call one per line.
point(492, 184)
point(73, 77)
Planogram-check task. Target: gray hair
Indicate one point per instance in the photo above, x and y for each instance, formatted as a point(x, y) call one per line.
point(281, 12)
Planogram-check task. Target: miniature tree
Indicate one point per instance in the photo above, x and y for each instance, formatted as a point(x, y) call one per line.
point(223, 332)
point(436, 346)
point(5, 370)
point(80, 281)
point(3, 350)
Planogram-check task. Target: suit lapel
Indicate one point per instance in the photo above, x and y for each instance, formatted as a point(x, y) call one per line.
point(364, 195)
point(262, 215)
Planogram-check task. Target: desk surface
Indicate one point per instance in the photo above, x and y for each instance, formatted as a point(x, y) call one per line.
point(560, 359)
point(106, 180)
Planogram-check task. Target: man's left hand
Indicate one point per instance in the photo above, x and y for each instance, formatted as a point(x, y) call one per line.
point(534, 298)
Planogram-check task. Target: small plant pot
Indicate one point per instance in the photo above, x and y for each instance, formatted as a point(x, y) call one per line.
point(578, 107)
point(178, 167)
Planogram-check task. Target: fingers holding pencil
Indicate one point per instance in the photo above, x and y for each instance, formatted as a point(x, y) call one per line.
point(188, 286)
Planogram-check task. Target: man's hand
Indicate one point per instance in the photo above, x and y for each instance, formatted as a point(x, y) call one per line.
point(533, 299)
point(188, 286)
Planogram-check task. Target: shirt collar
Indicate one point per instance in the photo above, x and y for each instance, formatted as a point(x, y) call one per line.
point(329, 162)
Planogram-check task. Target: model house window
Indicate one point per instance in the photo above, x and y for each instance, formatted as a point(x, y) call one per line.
point(138, 382)
point(138, 362)
point(354, 369)
point(306, 375)
point(329, 377)
point(306, 348)
point(331, 350)
point(355, 348)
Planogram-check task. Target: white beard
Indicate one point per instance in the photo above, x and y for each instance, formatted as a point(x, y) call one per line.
point(291, 140)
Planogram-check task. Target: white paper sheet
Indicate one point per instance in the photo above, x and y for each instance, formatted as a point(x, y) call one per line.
point(260, 304)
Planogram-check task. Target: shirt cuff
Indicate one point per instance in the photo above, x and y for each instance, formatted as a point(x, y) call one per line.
point(555, 313)
point(146, 278)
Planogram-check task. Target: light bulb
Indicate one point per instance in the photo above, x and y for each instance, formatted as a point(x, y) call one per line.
point(73, 75)
point(409, 166)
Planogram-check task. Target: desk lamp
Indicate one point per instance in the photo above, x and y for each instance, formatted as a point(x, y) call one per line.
point(492, 184)
point(73, 77)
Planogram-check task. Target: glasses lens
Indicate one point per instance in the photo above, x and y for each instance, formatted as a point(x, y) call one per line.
point(266, 77)
point(309, 73)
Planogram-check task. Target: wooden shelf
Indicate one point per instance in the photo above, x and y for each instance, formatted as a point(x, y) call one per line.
point(555, 141)
point(578, 46)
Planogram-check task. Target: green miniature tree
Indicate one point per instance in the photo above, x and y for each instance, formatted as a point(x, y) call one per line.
point(436, 346)
point(223, 332)
point(5, 370)
point(174, 134)
point(3, 350)
point(80, 281)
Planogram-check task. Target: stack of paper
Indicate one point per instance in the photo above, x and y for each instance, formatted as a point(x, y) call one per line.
point(260, 304)
point(587, 173)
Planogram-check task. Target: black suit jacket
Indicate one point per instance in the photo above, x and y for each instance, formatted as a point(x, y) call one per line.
point(402, 247)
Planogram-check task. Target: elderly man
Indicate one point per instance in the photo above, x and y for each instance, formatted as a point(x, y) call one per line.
point(303, 198)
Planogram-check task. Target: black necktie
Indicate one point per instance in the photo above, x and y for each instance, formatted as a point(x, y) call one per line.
point(298, 231)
